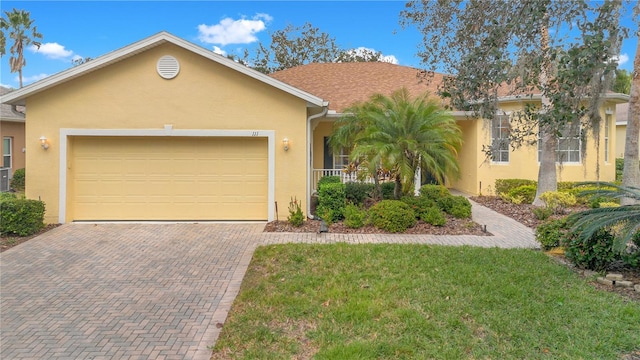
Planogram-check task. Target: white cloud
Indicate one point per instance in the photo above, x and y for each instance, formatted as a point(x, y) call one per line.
point(217, 50)
point(33, 78)
point(52, 51)
point(623, 59)
point(367, 52)
point(229, 31)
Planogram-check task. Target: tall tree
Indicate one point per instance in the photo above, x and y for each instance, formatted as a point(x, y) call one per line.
point(503, 47)
point(300, 45)
point(631, 171)
point(294, 46)
point(21, 31)
point(402, 134)
point(622, 82)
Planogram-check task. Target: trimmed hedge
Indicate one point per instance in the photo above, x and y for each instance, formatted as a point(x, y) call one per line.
point(456, 206)
point(328, 180)
point(354, 217)
point(22, 217)
point(433, 216)
point(387, 190)
point(503, 186)
point(392, 215)
point(17, 181)
point(331, 201)
point(434, 192)
point(357, 192)
point(418, 204)
point(521, 194)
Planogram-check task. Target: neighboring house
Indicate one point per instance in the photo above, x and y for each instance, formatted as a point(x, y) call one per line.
point(163, 129)
point(342, 84)
point(12, 136)
point(622, 116)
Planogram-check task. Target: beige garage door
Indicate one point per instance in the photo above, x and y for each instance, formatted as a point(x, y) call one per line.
point(158, 178)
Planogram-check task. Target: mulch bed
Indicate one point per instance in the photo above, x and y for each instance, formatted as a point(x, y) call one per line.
point(453, 226)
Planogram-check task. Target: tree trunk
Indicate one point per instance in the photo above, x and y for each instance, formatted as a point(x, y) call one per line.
point(547, 176)
point(397, 190)
point(631, 172)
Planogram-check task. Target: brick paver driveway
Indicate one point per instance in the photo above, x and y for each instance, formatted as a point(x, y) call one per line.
point(121, 291)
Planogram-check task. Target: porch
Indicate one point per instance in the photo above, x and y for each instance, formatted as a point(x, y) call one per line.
point(345, 176)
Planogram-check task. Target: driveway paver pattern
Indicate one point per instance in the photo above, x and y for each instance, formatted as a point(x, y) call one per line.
point(154, 291)
point(121, 291)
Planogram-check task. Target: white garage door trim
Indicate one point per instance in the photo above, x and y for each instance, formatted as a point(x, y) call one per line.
point(166, 132)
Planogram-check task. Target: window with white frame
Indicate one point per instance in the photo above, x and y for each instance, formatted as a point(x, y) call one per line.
point(569, 145)
point(6, 152)
point(500, 139)
point(607, 121)
point(341, 159)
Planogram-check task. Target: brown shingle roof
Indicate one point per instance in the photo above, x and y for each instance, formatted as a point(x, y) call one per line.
point(344, 84)
point(6, 112)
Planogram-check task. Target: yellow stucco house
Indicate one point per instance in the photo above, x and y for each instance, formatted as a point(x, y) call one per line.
point(163, 129)
point(343, 84)
point(12, 129)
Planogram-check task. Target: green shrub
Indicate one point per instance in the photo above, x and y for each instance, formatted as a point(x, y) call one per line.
point(595, 253)
point(566, 186)
point(608, 204)
point(434, 192)
point(631, 256)
point(558, 201)
point(354, 216)
point(576, 189)
point(433, 216)
point(552, 233)
point(357, 192)
point(387, 190)
point(296, 217)
point(503, 186)
point(523, 194)
point(331, 202)
point(619, 169)
point(17, 181)
point(328, 180)
point(456, 206)
point(22, 217)
point(392, 215)
point(418, 204)
point(5, 196)
point(542, 213)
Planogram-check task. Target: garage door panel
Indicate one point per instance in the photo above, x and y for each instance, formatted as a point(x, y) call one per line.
point(120, 178)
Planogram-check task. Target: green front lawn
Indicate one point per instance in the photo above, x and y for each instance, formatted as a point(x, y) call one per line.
point(416, 302)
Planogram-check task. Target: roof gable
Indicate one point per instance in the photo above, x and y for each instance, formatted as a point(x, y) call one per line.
point(18, 97)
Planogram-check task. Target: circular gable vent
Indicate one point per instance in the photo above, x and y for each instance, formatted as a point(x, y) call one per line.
point(168, 67)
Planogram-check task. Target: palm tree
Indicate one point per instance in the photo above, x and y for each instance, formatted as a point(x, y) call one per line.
point(18, 25)
point(626, 218)
point(401, 134)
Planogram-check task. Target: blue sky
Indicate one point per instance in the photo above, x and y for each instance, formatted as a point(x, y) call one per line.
point(93, 28)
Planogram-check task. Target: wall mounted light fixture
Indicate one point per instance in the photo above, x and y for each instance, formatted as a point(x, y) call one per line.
point(608, 111)
point(43, 143)
point(285, 144)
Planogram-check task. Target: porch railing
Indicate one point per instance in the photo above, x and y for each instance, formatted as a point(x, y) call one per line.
point(344, 176)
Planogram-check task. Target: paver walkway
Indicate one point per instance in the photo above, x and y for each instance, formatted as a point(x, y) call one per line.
point(153, 291)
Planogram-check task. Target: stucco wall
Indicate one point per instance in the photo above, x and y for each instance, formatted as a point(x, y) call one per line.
point(131, 95)
point(16, 131)
point(523, 163)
